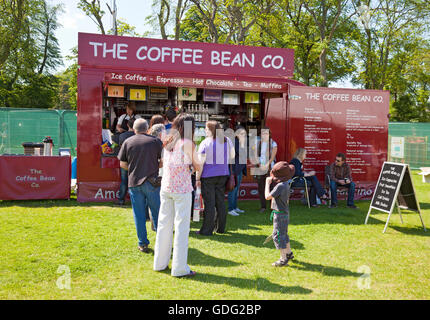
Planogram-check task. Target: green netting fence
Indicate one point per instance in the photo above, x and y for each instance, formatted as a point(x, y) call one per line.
point(409, 143)
point(33, 125)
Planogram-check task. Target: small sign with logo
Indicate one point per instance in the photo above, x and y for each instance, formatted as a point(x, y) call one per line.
point(187, 94)
point(252, 97)
point(230, 98)
point(137, 95)
point(116, 91)
point(398, 147)
point(212, 95)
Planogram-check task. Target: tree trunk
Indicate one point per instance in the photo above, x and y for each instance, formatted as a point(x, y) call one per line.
point(178, 19)
point(323, 67)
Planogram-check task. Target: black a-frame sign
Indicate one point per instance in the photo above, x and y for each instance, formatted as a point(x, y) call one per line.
point(394, 187)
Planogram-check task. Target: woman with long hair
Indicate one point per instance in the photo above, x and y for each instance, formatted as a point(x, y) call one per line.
point(175, 195)
point(216, 152)
point(311, 179)
point(156, 119)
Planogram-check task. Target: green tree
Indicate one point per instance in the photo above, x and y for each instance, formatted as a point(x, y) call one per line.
point(94, 11)
point(30, 56)
point(68, 87)
point(167, 15)
point(46, 25)
point(392, 54)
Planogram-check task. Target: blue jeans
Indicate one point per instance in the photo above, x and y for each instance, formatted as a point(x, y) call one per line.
point(140, 196)
point(351, 190)
point(124, 184)
point(234, 194)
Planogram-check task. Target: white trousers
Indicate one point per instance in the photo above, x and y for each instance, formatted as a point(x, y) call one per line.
point(175, 210)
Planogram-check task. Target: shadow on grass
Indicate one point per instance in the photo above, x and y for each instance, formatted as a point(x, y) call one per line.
point(259, 284)
point(325, 270)
point(198, 258)
point(424, 206)
point(418, 231)
point(58, 203)
point(251, 240)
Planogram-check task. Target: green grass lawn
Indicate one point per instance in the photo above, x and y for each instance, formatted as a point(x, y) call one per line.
point(337, 256)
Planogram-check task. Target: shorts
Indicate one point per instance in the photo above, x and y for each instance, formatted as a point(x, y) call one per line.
point(280, 229)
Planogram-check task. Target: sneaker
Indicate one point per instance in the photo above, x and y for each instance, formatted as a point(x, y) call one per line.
point(290, 256)
point(333, 205)
point(144, 248)
point(353, 206)
point(239, 210)
point(233, 213)
point(280, 263)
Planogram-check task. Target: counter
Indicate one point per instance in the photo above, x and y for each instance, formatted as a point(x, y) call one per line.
point(34, 177)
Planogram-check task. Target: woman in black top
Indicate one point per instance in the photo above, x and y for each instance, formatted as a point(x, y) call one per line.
point(311, 179)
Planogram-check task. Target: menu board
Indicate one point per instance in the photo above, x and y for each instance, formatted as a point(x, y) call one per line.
point(387, 186)
point(326, 121)
point(158, 93)
point(394, 187)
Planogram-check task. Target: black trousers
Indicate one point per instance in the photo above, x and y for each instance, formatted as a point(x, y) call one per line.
point(193, 194)
point(261, 180)
point(314, 186)
point(213, 193)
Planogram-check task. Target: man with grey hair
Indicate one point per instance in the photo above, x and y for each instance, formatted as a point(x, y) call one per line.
point(157, 130)
point(141, 156)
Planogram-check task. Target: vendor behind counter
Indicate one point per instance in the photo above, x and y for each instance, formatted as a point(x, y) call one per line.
point(130, 113)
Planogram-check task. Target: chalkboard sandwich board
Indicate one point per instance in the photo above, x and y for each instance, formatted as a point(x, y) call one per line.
point(394, 187)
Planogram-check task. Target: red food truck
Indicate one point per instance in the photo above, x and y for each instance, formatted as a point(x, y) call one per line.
point(250, 86)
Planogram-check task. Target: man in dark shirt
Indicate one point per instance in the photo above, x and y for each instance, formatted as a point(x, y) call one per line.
point(125, 135)
point(141, 156)
point(340, 175)
point(124, 173)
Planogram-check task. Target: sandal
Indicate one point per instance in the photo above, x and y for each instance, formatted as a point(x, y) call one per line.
point(280, 263)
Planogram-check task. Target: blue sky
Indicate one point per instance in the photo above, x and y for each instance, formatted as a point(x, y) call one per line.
point(73, 20)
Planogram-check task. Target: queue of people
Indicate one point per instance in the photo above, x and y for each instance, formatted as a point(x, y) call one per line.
point(158, 167)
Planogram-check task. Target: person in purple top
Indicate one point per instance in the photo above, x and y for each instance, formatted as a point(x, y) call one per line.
point(216, 152)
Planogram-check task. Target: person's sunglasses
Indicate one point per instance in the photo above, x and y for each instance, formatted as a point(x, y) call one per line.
point(338, 160)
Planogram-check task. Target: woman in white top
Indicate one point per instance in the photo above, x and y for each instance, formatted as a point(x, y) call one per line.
point(175, 195)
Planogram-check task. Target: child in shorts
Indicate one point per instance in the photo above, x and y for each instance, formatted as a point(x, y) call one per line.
point(279, 176)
